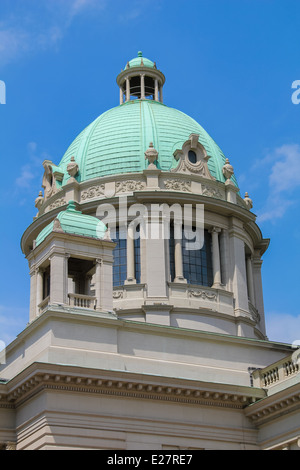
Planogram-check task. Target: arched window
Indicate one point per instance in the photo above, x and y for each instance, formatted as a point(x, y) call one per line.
point(120, 259)
point(197, 264)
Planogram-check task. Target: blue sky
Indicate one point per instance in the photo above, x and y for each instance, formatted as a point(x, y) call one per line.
point(229, 64)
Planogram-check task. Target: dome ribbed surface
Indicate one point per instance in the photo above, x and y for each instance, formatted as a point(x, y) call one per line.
point(116, 141)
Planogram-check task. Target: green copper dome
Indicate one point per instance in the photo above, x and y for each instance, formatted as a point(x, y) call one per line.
point(74, 222)
point(116, 141)
point(140, 61)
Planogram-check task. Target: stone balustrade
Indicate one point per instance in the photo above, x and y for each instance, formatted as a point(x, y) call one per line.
point(80, 300)
point(276, 373)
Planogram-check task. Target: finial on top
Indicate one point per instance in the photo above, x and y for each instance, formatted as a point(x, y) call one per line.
point(227, 170)
point(151, 155)
point(140, 54)
point(248, 201)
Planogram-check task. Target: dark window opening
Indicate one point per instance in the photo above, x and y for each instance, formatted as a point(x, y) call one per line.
point(135, 87)
point(149, 88)
point(192, 156)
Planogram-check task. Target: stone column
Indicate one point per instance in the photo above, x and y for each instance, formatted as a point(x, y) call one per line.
point(39, 288)
point(121, 95)
point(161, 94)
point(156, 90)
point(258, 289)
point(155, 248)
point(88, 279)
point(127, 89)
point(32, 308)
point(216, 256)
point(178, 253)
point(238, 274)
point(98, 282)
point(142, 86)
point(130, 256)
point(59, 278)
point(250, 284)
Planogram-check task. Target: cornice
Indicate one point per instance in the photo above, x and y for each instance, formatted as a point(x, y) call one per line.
point(274, 406)
point(40, 377)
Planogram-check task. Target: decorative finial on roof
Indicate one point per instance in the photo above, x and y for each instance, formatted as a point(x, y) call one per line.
point(151, 155)
point(72, 168)
point(71, 207)
point(39, 201)
point(227, 170)
point(248, 201)
point(140, 54)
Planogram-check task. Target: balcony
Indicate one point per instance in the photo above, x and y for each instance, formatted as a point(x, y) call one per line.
point(84, 301)
point(275, 374)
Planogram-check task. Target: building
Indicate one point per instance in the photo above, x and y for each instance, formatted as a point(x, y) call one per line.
point(139, 336)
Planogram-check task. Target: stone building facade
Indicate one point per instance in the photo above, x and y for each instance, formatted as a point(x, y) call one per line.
point(146, 324)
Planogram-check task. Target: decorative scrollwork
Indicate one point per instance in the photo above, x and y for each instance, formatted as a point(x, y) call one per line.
point(211, 192)
point(59, 203)
point(118, 294)
point(94, 191)
point(202, 294)
point(178, 185)
point(129, 186)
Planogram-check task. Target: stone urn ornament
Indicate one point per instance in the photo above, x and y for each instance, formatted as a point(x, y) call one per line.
point(72, 168)
point(151, 155)
point(39, 201)
point(227, 170)
point(248, 201)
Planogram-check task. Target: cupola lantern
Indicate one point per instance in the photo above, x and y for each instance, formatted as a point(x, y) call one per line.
point(140, 80)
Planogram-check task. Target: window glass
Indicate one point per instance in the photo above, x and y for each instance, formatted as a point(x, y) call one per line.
point(192, 156)
point(197, 264)
point(120, 260)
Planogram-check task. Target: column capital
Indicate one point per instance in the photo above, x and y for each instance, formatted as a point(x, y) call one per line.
point(99, 261)
point(215, 230)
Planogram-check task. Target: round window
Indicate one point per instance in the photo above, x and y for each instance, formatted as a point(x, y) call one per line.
point(192, 156)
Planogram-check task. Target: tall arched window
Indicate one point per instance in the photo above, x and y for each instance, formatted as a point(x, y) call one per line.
point(120, 259)
point(197, 264)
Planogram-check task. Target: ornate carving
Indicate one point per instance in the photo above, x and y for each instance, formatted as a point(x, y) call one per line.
point(211, 192)
point(52, 174)
point(178, 185)
point(118, 294)
point(57, 226)
point(58, 203)
point(94, 191)
point(72, 168)
point(128, 186)
point(185, 165)
point(202, 294)
point(254, 313)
